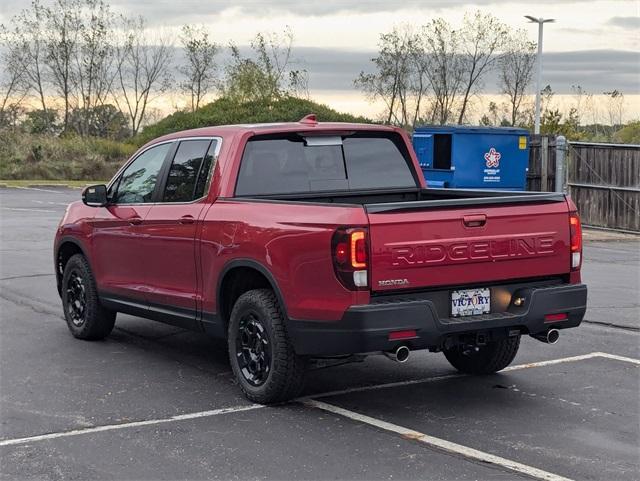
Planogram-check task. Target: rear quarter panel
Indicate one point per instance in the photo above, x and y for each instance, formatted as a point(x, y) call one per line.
point(292, 241)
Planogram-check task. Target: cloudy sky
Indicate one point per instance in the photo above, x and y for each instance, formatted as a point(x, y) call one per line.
point(594, 44)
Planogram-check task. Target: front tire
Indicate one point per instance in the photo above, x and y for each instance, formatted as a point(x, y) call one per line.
point(261, 354)
point(86, 317)
point(490, 358)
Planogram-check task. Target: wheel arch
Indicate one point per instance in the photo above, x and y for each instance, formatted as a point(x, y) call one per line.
point(67, 247)
point(231, 285)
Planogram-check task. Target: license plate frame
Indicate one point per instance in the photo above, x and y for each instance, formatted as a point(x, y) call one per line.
point(470, 302)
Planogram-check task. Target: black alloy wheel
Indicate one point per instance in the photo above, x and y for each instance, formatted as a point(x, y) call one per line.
point(253, 350)
point(76, 299)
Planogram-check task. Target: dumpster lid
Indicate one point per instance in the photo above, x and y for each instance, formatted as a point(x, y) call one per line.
point(469, 129)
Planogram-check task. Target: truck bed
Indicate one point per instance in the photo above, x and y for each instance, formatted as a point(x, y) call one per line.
point(410, 199)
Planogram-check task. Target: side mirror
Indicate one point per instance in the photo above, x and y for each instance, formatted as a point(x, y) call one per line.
point(95, 195)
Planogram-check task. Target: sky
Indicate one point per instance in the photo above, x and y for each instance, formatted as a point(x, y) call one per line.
point(594, 44)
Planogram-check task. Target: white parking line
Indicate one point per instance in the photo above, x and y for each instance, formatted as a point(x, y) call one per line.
point(442, 444)
point(20, 209)
point(618, 358)
point(453, 376)
point(216, 412)
point(135, 424)
point(40, 190)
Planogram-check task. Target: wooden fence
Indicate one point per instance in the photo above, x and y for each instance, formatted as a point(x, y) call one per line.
point(603, 180)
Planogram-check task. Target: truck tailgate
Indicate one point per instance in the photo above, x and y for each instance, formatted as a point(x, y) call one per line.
point(422, 247)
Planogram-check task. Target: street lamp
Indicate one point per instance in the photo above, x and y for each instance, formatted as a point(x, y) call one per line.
point(540, 21)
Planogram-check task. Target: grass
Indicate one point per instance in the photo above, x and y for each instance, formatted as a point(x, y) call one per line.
point(76, 184)
point(37, 157)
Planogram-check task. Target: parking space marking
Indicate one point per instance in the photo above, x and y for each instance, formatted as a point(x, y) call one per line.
point(21, 209)
point(134, 424)
point(517, 367)
point(304, 400)
point(439, 443)
point(618, 358)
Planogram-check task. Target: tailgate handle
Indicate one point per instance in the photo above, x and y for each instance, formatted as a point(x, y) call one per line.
point(477, 220)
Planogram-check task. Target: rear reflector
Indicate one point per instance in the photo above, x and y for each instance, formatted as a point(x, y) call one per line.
point(400, 335)
point(555, 317)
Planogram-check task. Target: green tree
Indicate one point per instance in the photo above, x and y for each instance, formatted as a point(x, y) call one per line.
point(199, 72)
point(267, 73)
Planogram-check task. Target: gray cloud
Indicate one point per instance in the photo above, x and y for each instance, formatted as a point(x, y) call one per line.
point(630, 23)
point(594, 70)
point(174, 12)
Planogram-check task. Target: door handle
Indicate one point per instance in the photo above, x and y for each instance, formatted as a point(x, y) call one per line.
point(477, 220)
point(187, 219)
point(135, 220)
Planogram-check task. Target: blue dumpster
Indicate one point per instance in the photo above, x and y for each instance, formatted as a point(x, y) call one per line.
point(473, 157)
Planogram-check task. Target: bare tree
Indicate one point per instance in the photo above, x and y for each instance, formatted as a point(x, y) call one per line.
point(142, 70)
point(62, 32)
point(200, 69)
point(93, 61)
point(615, 107)
point(446, 68)
point(515, 72)
point(481, 38)
point(12, 82)
point(391, 82)
point(28, 34)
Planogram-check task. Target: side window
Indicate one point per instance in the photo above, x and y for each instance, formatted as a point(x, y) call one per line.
point(137, 182)
point(184, 171)
point(206, 171)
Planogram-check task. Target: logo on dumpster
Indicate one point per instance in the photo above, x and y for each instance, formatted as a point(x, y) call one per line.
point(492, 158)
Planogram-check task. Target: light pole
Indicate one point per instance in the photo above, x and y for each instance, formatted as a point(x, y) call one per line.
point(540, 21)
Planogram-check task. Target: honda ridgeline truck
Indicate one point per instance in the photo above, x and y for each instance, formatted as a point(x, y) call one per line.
point(304, 241)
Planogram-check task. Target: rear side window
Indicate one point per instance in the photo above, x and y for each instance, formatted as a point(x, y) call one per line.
point(185, 170)
point(293, 164)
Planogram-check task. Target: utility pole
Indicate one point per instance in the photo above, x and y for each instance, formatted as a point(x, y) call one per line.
point(540, 21)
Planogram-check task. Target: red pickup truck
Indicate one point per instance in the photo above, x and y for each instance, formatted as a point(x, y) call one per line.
point(303, 241)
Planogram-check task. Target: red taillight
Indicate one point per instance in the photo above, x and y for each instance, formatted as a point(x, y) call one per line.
point(350, 257)
point(575, 229)
point(358, 250)
point(342, 252)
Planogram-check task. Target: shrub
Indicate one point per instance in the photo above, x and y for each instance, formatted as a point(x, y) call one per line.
point(224, 111)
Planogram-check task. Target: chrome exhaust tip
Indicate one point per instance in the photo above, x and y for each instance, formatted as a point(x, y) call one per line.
point(401, 354)
point(549, 337)
point(552, 336)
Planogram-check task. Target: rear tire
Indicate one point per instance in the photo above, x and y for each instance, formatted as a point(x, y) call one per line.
point(86, 317)
point(491, 358)
point(261, 354)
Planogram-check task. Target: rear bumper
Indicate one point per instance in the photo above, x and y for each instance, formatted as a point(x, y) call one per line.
point(366, 328)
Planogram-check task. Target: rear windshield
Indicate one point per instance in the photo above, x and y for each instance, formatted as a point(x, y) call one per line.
point(295, 164)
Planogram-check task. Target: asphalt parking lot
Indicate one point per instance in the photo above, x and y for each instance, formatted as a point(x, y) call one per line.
point(156, 402)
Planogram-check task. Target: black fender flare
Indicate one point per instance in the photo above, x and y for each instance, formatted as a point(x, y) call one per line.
point(66, 240)
point(253, 264)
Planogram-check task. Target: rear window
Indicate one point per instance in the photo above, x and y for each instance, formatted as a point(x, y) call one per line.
point(294, 164)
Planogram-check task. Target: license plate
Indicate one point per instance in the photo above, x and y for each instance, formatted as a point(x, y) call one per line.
point(470, 302)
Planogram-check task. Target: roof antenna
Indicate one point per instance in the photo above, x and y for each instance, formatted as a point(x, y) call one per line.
point(309, 119)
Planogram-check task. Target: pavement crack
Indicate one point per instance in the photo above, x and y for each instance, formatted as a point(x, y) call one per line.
point(612, 325)
point(25, 277)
